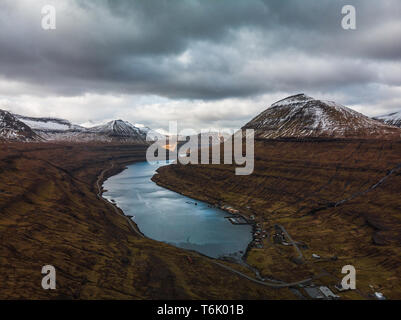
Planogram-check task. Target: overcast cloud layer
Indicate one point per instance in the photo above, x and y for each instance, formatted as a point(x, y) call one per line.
point(205, 63)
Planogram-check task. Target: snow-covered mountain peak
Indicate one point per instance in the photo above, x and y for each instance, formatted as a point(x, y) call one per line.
point(23, 128)
point(301, 116)
point(116, 127)
point(120, 130)
point(393, 119)
point(12, 129)
point(293, 100)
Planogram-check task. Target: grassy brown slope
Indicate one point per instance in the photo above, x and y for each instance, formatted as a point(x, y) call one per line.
point(295, 184)
point(50, 214)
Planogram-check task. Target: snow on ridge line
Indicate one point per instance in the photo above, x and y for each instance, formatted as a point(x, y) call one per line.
point(41, 125)
point(303, 116)
point(48, 124)
point(61, 125)
point(390, 116)
point(12, 129)
point(117, 126)
point(55, 129)
point(392, 119)
point(299, 98)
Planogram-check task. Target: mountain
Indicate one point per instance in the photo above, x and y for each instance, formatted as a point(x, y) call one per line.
point(300, 116)
point(392, 119)
point(150, 134)
point(12, 129)
point(53, 129)
point(15, 127)
point(117, 130)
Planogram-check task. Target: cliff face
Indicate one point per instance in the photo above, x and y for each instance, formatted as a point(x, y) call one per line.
point(340, 197)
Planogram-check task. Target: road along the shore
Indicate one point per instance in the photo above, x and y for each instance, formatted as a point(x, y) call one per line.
point(116, 210)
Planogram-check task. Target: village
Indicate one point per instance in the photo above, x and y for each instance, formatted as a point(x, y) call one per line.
point(280, 237)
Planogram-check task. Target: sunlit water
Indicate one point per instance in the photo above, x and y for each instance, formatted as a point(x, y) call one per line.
point(167, 216)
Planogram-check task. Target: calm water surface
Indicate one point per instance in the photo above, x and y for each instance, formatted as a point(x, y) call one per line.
point(167, 216)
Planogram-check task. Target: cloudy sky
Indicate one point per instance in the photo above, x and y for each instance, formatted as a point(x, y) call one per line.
point(205, 63)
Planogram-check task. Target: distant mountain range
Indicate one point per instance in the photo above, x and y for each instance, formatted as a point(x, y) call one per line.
point(393, 119)
point(298, 116)
point(15, 127)
point(301, 116)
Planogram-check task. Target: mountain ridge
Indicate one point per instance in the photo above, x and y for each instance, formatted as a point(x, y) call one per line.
point(15, 127)
point(12, 129)
point(120, 130)
point(392, 119)
point(301, 116)
point(297, 116)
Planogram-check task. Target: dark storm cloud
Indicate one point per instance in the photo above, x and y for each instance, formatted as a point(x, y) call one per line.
point(203, 49)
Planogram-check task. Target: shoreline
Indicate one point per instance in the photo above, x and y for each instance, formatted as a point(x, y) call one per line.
point(108, 173)
point(102, 177)
point(216, 205)
point(272, 283)
point(242, 261)
point(96, 249)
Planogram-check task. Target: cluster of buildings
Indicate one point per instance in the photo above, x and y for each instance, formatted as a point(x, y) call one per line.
point(236, 217)
point(279, 237)
point(258, 236)
point(230, 209)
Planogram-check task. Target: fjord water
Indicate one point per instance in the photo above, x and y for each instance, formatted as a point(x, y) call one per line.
point(167, 216)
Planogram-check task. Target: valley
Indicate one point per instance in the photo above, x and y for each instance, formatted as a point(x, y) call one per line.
point(50, 213)
point(324, 193)
point(324, 175)
point(175, 154)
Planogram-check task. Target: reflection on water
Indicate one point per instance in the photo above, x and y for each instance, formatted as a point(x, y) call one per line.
point(167, 216)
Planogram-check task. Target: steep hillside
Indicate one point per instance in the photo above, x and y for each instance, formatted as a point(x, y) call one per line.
point(334, 186)
point(393, 119)
point(338, 197)
point(50, 214)
point(301, 116)
point(150, 134)
point(11, 129)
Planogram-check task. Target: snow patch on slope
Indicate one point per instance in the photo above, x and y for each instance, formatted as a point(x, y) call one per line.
point(302, 116)
point(393, 119)
point(49, 124)
point(11, 129)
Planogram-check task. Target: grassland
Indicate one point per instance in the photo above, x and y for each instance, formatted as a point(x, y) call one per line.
point(50, 214)
point(300, 185)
